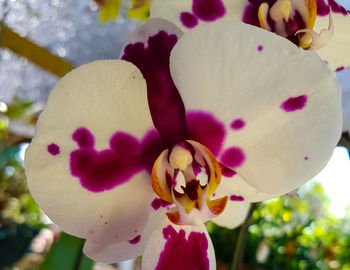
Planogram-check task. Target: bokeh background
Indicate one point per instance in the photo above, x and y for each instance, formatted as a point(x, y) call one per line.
point(41, 40)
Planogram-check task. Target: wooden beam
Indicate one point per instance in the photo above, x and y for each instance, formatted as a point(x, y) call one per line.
point(34, 53)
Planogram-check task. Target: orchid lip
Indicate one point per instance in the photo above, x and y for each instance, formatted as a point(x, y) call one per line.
point(295, 22)
point(188, 175)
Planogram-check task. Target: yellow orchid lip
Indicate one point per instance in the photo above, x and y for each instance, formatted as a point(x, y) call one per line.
point(291, 19)
point(200, 172)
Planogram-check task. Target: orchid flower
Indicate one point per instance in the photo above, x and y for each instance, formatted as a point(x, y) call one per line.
point(321, 25)
point(135, 155)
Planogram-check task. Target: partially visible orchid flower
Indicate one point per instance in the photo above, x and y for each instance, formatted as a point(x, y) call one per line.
point(321, 25)
point(135, 155)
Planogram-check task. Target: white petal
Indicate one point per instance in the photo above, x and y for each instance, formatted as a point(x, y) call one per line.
point(343, 77)
point(173, 247)
point(289, 102)
point(112, 253)
point(336, 52)
point(95, 190)
point(151, 28)
point(181, 13)
point(237, 207)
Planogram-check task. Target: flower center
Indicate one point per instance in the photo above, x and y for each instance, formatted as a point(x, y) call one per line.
point(295, 21)
point(188, 175)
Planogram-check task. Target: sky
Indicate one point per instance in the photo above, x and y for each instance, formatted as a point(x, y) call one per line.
point(335, 179)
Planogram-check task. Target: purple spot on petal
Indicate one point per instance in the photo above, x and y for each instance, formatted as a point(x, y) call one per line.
point(165, 103)
point(323, 8)
point(53, 149)
point(336, 8)
point(103, 170)
point(306, 158)
point(238, 124)
point(197, 169)
point(227, 172)
point(294, 103)
point(260, 48)
point(340, 69)
point(233, 157)
point(236, 198)
point(250, 15)
point(152, 146)
point(188, 20)
point(157, 203)
point(182, 253)
point(204, 128)
point(124, 144)
point(208, 10)
point(135, 240)
point(83, 137)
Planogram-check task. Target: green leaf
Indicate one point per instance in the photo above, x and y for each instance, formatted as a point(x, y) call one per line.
point(67, 254)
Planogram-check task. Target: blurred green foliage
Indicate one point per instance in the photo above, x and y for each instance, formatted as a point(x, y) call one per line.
point(14, 241)
point(16, 203)
point(20, 217)
point(290, 233)
point(69, 248)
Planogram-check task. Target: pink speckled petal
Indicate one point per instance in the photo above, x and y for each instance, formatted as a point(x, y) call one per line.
point(151, 28)
point(112, 253)
point(237, 207)
point(183, 12)
point(290, 102)
point(174, 247)
point(336, 52)
point(97, 186)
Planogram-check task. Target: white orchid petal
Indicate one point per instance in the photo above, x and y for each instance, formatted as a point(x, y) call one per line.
point(85, 165)
point(336, 52)
point(182, 13)
point(241, 188)
point(343, 77)
point(288, 101)
point(173, 247)
point(237, 207)
point(151, 28)
point(112, 253)
point(233, 216)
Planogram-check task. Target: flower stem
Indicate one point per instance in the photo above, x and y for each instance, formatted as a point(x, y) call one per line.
point(79, 257)
point(242, 235)
point(345, 141)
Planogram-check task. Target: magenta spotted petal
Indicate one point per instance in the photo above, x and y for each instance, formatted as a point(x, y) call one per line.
point(279, 112)
point(208, 10)
point(116, 137)
point(162, 252)
point(165, 103)
point(99, 153)
point(103, 170)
